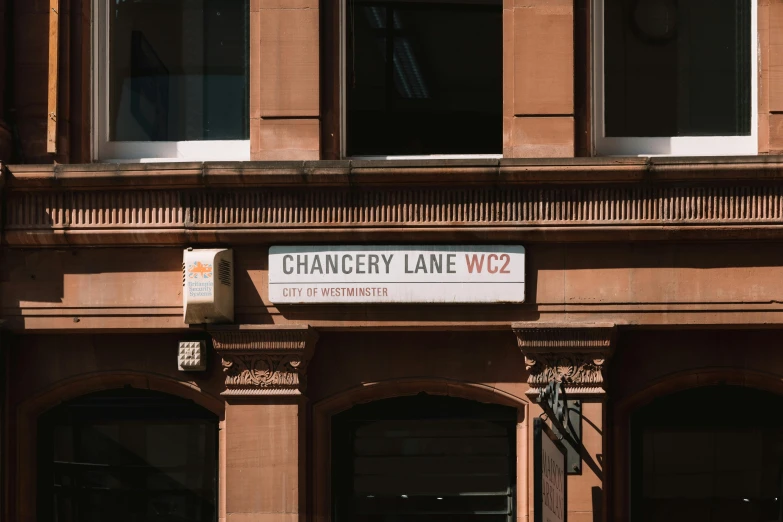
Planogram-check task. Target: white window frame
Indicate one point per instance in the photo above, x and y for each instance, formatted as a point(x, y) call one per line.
point(676, 145)
point(343, 64)
point(104, 150)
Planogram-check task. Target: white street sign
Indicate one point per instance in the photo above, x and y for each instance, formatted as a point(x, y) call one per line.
point(397, 274)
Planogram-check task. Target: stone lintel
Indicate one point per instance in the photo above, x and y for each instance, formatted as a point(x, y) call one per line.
point(264, 360)
point(573, 354)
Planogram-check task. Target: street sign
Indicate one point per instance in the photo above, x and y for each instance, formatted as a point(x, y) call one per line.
point(397, 274)
point(549, 475)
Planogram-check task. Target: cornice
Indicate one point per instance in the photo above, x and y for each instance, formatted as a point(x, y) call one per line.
point(581, 199)
point(264, 360)
point(393, 172)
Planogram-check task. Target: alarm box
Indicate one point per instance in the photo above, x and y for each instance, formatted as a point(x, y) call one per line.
point(208, 285)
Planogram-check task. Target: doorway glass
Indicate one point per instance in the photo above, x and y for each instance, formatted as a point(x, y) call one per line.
point(424, 458)
point(710, 454)
point(127, 456)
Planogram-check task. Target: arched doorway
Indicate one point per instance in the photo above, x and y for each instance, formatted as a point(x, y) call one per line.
point(424, 457)
point(708, 454)
point(127, 455)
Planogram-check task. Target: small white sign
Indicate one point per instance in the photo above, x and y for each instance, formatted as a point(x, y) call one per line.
point(397, 274)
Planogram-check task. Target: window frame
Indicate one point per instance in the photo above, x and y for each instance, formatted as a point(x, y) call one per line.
point(104, 150)
point(343, 100)
point(675, 145)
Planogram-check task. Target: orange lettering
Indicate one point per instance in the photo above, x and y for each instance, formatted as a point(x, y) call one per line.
point(492, 269)
point(476, 263)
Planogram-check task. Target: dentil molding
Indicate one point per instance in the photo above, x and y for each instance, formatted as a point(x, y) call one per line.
point(263, 360)
point(572, 354)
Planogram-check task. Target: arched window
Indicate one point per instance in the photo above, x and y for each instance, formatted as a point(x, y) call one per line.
point(127, 455)
point(424, 458)
point(710, 454)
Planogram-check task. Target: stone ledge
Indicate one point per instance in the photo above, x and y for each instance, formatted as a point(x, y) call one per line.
point(382, 172)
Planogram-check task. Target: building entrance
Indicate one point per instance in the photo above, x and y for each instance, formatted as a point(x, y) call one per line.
point(127, 455)
point(424, 458)
point(711, 454)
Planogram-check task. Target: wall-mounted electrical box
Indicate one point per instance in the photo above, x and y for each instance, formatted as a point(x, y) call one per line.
point(208, 285)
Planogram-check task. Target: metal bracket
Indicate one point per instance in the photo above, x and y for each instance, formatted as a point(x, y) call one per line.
point(566, 417)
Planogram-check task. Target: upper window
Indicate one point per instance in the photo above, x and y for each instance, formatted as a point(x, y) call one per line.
point(171, 79)
point(676, 77)
point(423, 77)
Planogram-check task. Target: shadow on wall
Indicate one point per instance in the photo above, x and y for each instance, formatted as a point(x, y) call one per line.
point(140, 281)
point(598, 504)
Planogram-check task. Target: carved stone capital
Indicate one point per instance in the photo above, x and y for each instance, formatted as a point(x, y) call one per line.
point(573, 354)
point(263, 360)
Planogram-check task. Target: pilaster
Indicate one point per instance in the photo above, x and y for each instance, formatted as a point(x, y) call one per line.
point(265, 420)
point(576, 355)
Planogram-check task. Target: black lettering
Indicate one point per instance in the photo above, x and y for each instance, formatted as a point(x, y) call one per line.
point(286, 259)
point(436, 263)
point(331, 264)
point(421, 264)
point(316, 265)
point(372, 261)
point(451, 261)
point(301, 264)
point(348, 270)
point(360, 263)
point(387, 262)
point(406, 265)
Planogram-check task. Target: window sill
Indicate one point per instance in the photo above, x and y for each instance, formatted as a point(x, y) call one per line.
point(688, 146)
point(173, 151)
point(426, 157)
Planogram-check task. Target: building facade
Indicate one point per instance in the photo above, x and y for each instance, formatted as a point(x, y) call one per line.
point(630, 146)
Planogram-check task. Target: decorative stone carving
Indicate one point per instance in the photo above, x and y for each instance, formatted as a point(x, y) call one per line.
point(573, 354)
point(264, 360)
point(190, 357)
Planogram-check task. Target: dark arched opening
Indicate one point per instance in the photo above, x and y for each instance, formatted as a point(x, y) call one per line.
point(127, 455)
point(708, 454)
point(424, 457)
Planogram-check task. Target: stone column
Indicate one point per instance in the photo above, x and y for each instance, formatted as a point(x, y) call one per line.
point(265, 475)
point(576, 356)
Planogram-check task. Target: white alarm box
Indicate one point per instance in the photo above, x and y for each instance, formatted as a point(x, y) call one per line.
point(208, 285)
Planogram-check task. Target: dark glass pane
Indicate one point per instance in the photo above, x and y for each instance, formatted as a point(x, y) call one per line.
point(424, 458)
point(127, 456)
point(424, 77)
point(695, 458)
point(677, 68)
point(178, 70)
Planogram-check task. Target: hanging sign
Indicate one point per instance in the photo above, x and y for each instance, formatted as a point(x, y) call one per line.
point(549, 475)
point(397, 274)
